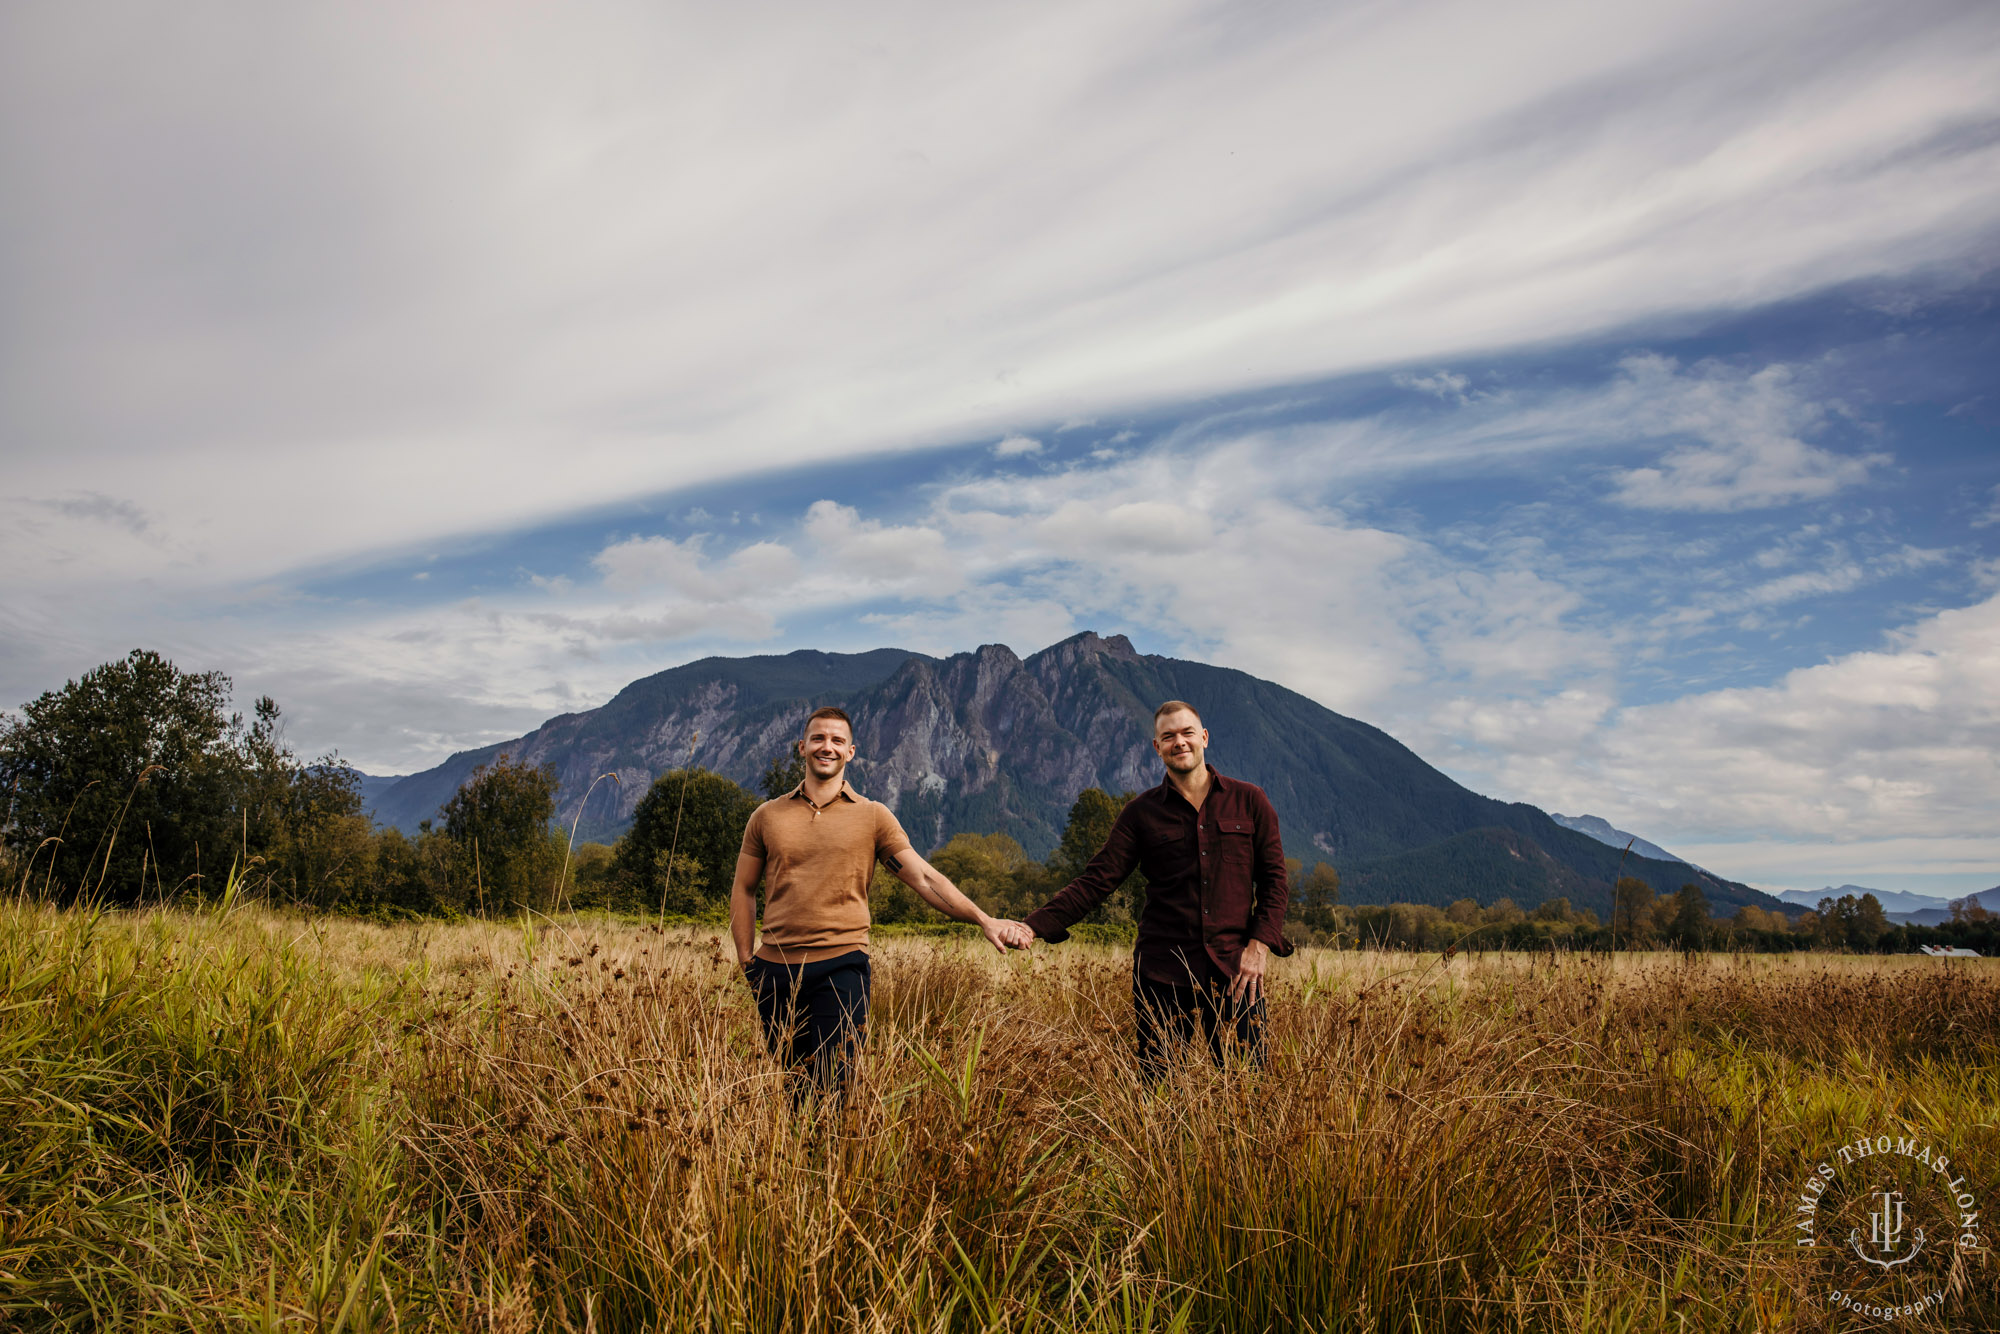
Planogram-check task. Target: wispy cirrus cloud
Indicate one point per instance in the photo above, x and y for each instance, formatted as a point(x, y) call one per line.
point(640, 249)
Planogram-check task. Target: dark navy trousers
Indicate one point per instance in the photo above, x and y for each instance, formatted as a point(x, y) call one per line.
point(813, 1014)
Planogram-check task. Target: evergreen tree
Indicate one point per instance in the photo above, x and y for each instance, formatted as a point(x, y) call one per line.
point(785, 772)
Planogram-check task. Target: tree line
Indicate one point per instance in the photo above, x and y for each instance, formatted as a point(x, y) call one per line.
point(136, 784)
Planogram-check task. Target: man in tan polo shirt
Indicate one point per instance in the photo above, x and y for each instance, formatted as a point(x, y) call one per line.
point(815, 848)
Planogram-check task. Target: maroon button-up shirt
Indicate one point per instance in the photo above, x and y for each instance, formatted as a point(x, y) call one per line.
point(1215, 880)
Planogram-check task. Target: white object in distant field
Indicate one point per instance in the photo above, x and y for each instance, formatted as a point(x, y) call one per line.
point(1948, 952)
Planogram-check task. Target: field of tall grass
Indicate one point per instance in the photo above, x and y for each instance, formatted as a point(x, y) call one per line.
point(247, 1119)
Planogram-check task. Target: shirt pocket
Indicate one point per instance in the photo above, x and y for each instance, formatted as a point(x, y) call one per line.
point(1236, 839)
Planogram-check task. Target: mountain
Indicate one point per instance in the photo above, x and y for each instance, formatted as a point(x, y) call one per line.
point(745, 710)
point(1892, 900)
point(373, 789)
point(1898, 905)
point(1601, 830)
point(988, 741)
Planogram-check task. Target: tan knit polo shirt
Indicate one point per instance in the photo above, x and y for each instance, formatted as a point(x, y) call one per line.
point(817, 864)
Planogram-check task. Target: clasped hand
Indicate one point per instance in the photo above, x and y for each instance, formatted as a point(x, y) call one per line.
point(1007, 935)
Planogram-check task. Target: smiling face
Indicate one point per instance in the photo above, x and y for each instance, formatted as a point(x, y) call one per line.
point(828, 746)
point(1181, 741)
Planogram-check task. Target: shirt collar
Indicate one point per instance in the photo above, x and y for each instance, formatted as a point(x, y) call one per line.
point(846, 793)
point(1216, 782)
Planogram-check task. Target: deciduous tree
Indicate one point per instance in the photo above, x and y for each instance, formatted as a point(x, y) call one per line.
point(690, 822)
point(507, 856)
point(1632, 912)
point(1316, 897)
point(1689, 927)
point(127, 782)
point(993, 871)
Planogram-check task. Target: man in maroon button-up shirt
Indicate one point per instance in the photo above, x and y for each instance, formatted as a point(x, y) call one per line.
point(1215, 896)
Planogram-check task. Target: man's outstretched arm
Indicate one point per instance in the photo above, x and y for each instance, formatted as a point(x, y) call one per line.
point(1118, 858)
point(936, 889)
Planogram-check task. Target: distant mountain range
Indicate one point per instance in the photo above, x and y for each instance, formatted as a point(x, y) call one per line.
point(1898, 905)
point(988, 741)
point(374, 788)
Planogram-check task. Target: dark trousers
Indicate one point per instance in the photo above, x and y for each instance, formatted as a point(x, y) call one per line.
point(813, 1015)
point(1171, 1017)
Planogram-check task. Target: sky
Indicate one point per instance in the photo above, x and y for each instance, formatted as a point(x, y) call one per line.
point(1601, 399)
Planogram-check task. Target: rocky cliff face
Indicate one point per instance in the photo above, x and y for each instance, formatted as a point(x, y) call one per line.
point(988, 741)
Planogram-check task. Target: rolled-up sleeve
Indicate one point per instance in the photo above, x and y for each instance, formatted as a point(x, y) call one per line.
point(1270, 882)
point(1118, 858)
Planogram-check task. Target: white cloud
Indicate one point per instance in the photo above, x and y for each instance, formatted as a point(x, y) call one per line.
point(1835, 569)
point(1159, 527)
point(1897, 742)
point(741, 621)
point(869, 555)
point(1014, 446)
point(1747, 449)
point(95, 505)
point(1440, 384)
point(1220, 551)
point(638, 248)
point(1992, 514)
point(662, 564)
point(1555, 725)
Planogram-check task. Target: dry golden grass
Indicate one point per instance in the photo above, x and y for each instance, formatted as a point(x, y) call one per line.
point(251, 1119)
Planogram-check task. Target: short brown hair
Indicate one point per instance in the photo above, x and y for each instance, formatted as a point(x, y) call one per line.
point(1174, 706)
point(828, 711)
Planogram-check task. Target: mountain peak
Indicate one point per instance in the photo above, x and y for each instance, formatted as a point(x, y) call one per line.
point(1601, 829)
point(1089, 644)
